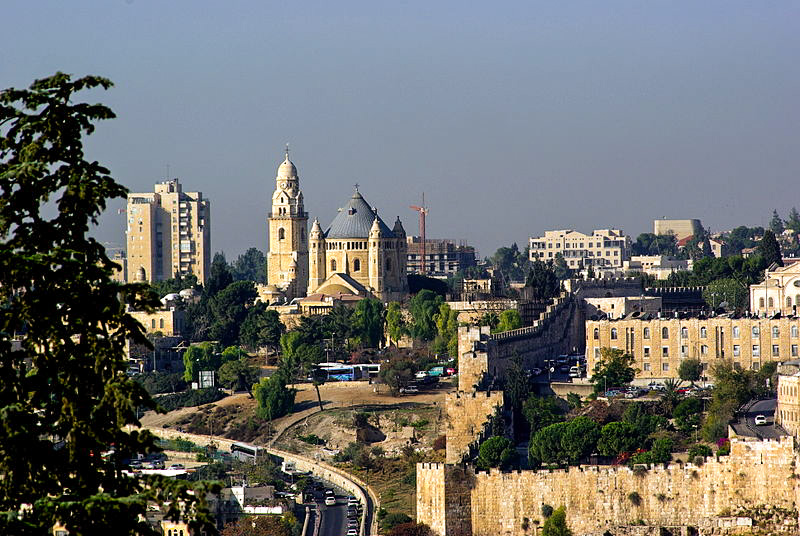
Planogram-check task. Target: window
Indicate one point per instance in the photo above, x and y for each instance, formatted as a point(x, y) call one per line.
point(771, 302)
point(684, 333)
point(756, 366)
point(597, 353)
point(684, 351)
point(761, 303)
point(703, 332)
point(333, 265)
point(776, 332)
point(735, 332)
point(788, 301)
point(665, 333)
point(665, 351)
point(755, 331)
point(756, 350)
point(646, 350)
point(664, 367)
point(153, 323)
point(794, 350)
point(161, 323)
point(646, 333)
point(776, 350)
point(646, 367)
point(281, 233)
point(613, 334)
point(793, 332)
point(596, 334)
point(356, 265)
point(703, 350)
point(737, 350)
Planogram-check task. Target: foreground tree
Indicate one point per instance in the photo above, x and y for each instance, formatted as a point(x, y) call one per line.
point(261, 526)
point(64, 394)
point(613, 369)
point(556, 524)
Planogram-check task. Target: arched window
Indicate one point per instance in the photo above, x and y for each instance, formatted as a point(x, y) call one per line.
point(761, 302)
point(333, 265)
point(684, 332)
point(771, 302)
point(161, 323)
point(281, 233)
point(356, 265)
point(596, 334)
point(613, 334)
point(703, 332)
point(665, 333)
point(646, 333)
point(788, 301)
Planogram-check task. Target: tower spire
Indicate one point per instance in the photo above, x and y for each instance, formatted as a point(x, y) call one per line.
point(287, 150)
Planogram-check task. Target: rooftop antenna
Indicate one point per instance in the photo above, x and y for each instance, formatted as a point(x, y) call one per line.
point(423, 211)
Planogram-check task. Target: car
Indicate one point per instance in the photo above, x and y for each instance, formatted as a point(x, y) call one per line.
point(352, 532)
point(536, 371)
point(409, 390)
point(176, 466)
point(760, 420)
point(330, 500)
point(421, 374)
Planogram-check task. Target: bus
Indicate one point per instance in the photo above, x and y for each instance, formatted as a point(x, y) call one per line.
point(344, 373)
point(246, 453)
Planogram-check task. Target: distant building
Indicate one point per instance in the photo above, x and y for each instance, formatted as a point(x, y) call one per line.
point(604, 248)
point(780, 290)
point(168, 234)
point(659, 266)
point(620, 306)
point(169, 322)
point(680, 228)
point(787, 413)
point(442, 256)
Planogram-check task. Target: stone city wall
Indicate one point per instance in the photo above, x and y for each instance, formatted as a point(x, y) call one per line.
point(467, 416)
point(755, 484)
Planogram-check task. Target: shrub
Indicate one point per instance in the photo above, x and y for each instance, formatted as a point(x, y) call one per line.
point(311, 439)
point(547, 510)
point(440, 443)
point(157, 383)
point(635, 498)
point(392, 520)
point(699, 450)
point(195, 397)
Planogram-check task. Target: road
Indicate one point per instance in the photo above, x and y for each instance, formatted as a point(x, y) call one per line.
point(766, 408)
point(334, 520)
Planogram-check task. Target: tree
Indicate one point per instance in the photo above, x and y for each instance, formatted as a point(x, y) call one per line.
point(556, 524)
point(726, 291)
point(541, 411)
point(64, 394)
point(560, 267)
point(176, 284)
point(229, 307)
point(793, 222)
point(398, 372)
point(368, 322)
point(687, 414)
point(508, 320)
point(545, 445)
point(542, 281)
point(199, 357)
point(446, 341)
point(395, 321)
point(411, 529)
point(274, 398)
point(424, 307)
point(262, 327)
point(238, 374)
point(613, 369)
point(517, 387)
point(260, 525)
point(770, 250)
point(220, 275)
point(776, 223)
point(495, 452)
point(617, 438)
point(579, 438)
point(250, 266)
point(690, 370)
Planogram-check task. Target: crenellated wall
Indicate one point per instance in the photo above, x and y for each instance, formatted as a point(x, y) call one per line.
point(467, 417)
point(755, 484)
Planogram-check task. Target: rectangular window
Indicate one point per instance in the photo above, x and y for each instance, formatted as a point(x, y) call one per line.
point(703, 350)
point(665, 367)
point(756, 366)
point(665, 351)
point(735, 332)
point(737, 350)
point(755, 331)
point(794, 332)
point(776, 332)
point(756, 350)
point(684, 351)
point(794, 350)
point(646, 350)
point(597, 353)
point(646, 367)
point(776, 350)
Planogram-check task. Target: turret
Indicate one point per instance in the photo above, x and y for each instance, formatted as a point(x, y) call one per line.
point(376, 256)
point(317, 260)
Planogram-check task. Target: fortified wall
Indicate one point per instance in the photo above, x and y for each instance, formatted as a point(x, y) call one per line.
point(755, 484)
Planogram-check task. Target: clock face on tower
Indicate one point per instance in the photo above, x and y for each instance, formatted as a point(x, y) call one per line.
point(283, 185)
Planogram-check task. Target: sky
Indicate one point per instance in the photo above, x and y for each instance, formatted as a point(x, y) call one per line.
point(512, 117)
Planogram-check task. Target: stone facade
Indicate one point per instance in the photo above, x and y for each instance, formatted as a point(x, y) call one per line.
point(467, 417)
point(659, 345)
point(788, 412)
point(603, 248)
point(169, 322)
point(779, 292)
point(757, 477)
point(680, 228)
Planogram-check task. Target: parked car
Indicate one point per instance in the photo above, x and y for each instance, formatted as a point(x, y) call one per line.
point(761, 420)
point(176, 466)
point(330, 500)
point(411, 389)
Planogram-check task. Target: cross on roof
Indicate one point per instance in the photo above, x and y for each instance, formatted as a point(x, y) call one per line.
point(356, 186)
point(287, 150)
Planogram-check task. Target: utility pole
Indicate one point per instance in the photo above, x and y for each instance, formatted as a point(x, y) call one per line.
point(423, 211)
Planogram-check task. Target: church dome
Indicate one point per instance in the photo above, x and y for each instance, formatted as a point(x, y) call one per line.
point(287, 170)
point(355, 220)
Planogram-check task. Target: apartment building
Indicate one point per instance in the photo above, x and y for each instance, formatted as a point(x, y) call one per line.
point(660, 345)
point(604, 248)
point(168, 234)
point(442, 256)
point(659, 266)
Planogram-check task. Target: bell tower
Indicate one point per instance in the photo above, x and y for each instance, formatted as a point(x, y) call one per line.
point(287, 259)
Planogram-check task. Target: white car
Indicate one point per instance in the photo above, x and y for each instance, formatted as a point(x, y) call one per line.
point(330, 500)
point(760, 420)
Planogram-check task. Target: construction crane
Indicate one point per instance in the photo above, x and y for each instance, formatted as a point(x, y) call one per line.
point(423, 211)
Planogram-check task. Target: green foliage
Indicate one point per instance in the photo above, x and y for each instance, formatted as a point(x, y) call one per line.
point(199, 357)
point(741, 237)
point(367, 326)
point(793, 222)
point(229, 308)
point(687, 414)
point(542, 281)
point(541, 411)
point(579, 438)
point(238, 375)
point(191, 398)
point(732, 388)
point(411, 529)
point(547, 510)
point(517, 387)
point(274, 398)
point(556, 524)
point(250, 266)
point(660, 453)
point(418, 283)
point(398, 372)
point(613, 369)
point(727, 290)
point(262, 327)
point(776, 223)
point(495, 452)
point(512, 262)
point(545, 445)
point(259, 525)
point(220, 276)
point(169, 286)
point(393, 519)
point(508, 320)
point(290, 341)
point(161, 382)
point(617, 438)
point(311, 439)
point(446, 341)
point(690, 370)
point(65, 395)
point(699, 450)
point(424, 307)
point(574, 400)
point(395, 321)
point(769, 249)
point(651, 244)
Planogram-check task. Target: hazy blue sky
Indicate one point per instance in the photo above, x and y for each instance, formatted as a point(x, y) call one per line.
point(513, 117)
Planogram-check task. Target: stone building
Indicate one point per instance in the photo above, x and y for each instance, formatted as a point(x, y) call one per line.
point(168, 234)
point(680, 228)
point(604, 248)
point(659, 345)
point(287, 259)
point(169, 322)
point(442, 256)
point(358, 254)
point(659, 266)
point(779, 292)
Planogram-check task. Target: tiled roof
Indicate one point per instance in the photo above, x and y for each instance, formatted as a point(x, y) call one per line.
point(355, 219)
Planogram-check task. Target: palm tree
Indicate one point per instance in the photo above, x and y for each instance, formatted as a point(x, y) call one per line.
point(670, 396)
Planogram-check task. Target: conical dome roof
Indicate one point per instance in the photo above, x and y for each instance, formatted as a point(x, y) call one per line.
point(355, 220)
point(287, 170)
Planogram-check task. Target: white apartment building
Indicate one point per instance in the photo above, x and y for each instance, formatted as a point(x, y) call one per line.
point(604, 248)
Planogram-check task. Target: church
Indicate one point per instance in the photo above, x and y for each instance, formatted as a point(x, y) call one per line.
point(358, 254)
